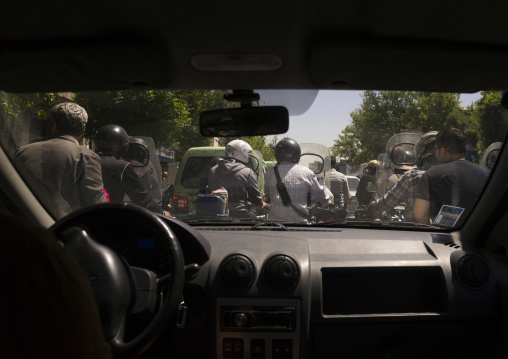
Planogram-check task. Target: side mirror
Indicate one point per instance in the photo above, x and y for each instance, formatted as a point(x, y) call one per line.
point(491, 158)
point(253, 163)
point(312, 161)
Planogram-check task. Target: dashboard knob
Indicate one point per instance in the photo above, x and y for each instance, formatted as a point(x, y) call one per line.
point(240, 320)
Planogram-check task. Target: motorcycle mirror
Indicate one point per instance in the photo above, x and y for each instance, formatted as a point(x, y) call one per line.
point(137, 152)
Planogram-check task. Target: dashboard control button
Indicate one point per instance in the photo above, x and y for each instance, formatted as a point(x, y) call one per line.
point(282, 349)
point(237, 348)
point(227, 348)
point(257, 349)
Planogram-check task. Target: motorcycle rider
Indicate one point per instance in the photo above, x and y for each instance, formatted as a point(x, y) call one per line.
point(119, 177)
point(369, 175)
point(240, 181)
point(452, 182)
point(340, 190)
point(404, 190)
point(65, 175)
point(289, 195)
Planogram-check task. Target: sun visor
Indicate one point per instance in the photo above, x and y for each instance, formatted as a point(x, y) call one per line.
point(408, 65)
point(81, 66)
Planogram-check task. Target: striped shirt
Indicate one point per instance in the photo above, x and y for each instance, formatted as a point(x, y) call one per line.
point(299, 181)
point(404, 191)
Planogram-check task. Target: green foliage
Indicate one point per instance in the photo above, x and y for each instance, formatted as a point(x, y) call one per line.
point(169, 117)
point(492, 127)
point(38, 104)
point(383, 114)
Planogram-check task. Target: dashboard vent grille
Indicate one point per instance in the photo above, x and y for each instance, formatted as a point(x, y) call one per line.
point(452, 245)
point(237, 271)
point(281, 272)
point(473, 271)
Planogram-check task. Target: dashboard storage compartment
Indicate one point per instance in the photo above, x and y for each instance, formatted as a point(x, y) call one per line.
point(383, 290)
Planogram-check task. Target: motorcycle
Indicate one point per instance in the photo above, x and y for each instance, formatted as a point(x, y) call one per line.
point(365, 212)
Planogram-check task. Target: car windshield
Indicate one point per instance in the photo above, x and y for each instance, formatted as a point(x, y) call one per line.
point(408, 158)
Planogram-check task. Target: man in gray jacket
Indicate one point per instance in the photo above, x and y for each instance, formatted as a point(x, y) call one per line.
point(238, 179)
point(63, 175)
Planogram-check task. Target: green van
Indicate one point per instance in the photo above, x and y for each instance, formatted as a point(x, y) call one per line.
point(194, 168)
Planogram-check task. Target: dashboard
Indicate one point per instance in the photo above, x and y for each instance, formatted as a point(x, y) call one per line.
point(338, 292)
point(259, 292)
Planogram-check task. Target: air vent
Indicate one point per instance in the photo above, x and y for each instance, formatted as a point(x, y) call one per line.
point(452, 245)
point(237, 272)
point(281, 272)
point(473, 271)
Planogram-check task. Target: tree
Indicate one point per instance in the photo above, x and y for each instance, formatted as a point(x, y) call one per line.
point(383, 114)
point(169, 117)
point(37, 104)
point(492, 127)
point(348, 145)
point(26, 113)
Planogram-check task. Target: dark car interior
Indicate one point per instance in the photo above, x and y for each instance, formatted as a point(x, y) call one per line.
point(243, 291)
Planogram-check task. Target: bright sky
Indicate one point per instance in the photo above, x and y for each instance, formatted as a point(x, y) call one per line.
point(333, 108)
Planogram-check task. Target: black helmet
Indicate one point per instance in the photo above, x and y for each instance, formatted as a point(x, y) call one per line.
point(287, 150)
point(112, 138)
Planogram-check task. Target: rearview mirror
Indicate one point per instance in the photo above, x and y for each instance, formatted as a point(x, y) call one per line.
point(245, 121)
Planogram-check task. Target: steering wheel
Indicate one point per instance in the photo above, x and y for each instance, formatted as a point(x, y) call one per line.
point(121, 289)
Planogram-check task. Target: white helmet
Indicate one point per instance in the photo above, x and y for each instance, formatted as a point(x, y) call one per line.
point(239, 150)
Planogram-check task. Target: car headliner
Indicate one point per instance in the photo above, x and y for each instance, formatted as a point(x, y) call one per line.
point(92, 45)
